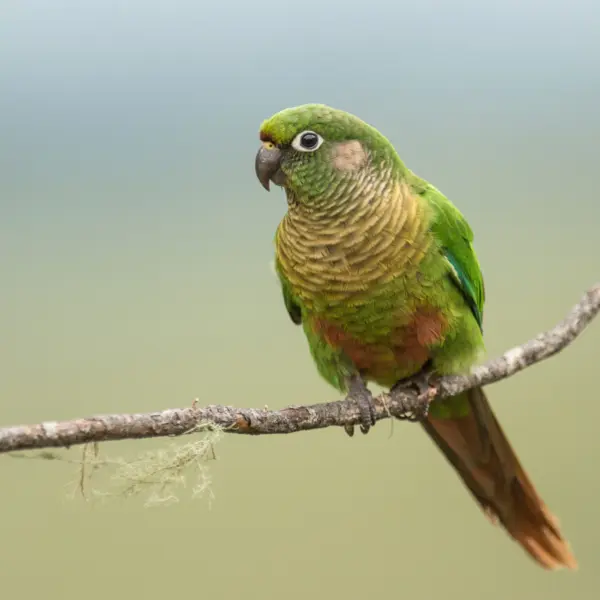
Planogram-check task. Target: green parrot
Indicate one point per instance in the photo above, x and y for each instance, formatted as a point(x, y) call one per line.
point(378, 267)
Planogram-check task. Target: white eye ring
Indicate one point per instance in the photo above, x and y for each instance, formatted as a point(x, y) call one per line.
point(302, 142)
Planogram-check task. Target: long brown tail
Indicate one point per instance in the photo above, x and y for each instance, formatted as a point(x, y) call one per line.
point(478, 449)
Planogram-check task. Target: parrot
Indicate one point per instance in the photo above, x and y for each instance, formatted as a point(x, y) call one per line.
point(378, 268)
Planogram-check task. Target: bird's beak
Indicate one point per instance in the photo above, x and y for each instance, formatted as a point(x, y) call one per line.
point(267, 166)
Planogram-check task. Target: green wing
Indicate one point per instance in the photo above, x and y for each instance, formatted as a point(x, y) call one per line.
point(292, 307)
point(456, 237)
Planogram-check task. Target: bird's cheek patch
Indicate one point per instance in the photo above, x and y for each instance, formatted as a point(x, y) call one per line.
point(349, 156)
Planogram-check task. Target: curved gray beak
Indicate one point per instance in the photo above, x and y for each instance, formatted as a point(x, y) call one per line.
point(267, 167)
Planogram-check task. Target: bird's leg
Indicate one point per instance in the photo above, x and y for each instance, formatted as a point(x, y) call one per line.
point(423, 382)
point(359, 394)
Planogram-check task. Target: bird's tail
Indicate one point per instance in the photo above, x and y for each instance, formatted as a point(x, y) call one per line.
point(481, 454)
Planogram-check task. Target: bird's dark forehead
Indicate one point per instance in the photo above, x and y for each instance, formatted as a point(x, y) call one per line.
point(266, 137)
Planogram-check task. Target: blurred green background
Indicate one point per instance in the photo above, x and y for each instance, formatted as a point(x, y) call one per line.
point(135, 245)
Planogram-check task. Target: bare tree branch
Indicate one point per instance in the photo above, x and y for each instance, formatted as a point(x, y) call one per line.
point(178, 421)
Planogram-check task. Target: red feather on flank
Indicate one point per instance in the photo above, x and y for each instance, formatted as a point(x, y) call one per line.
point(409, 346)
point(411, 342)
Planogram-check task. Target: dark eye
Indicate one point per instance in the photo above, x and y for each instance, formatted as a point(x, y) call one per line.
point(307, 141)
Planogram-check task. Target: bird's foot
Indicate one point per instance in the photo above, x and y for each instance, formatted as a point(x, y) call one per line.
point(362, 397)
point(416, 408)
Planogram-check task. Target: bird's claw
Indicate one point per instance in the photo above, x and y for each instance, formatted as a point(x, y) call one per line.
point(416, 408)
point(362, 397)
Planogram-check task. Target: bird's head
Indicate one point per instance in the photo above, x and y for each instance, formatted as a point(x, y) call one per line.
point(310, 148)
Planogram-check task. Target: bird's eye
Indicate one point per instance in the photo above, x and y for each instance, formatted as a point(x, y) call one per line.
point(307, 141)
